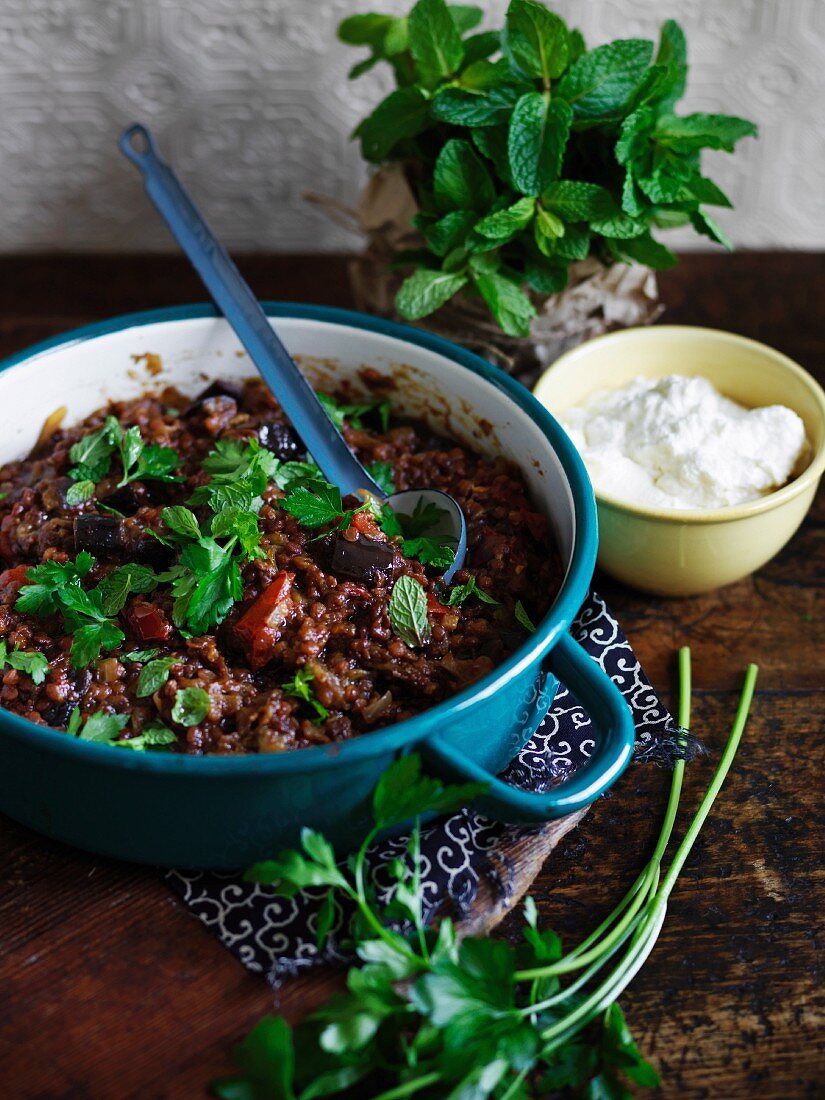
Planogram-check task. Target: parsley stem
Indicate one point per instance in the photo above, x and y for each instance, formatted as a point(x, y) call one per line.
point(359, 896)
point(737, 730)
point(410, 1087)
point(419, 921)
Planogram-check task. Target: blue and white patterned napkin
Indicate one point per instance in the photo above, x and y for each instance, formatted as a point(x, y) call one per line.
point(276, 936)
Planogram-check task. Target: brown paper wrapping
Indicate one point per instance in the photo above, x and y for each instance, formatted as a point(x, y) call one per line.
point(597, 299)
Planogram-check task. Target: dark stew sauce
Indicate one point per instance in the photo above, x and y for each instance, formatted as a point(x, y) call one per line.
point(298, 646)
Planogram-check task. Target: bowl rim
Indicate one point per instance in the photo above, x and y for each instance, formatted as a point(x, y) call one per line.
point(775, 499)
point(413, 730)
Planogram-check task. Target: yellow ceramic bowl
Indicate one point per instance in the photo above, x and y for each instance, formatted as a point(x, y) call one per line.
point(679, 552)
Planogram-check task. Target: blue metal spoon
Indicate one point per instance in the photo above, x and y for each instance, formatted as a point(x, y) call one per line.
point(242, 310)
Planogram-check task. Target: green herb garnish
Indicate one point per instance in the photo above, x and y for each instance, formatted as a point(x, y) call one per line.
point(93, 456)
point(461, 592)
point(88, 614)
point(31, 662)
point(382, 474)
point(408, 611)
point(191, 706)
point(154, 675)
point(355, 414)
point(527, 152)
point(139, 655)
point(106, 729)
point(300, 687)
point(424, 1014)
point(318, 504)
point(523, 619)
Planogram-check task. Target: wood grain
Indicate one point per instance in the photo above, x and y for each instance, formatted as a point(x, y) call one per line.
point(109, 988)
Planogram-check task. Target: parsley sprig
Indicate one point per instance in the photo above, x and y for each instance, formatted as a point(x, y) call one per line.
point(356, 414)
point(425, 1014)
point(430, 549)
point(31, 662)
point(106, 729)
point(300, 687)
point(528, 152)
point(206, 580)
point(88, 614)
point(93, 455)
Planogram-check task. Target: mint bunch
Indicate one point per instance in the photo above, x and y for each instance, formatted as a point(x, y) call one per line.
point(527, 151)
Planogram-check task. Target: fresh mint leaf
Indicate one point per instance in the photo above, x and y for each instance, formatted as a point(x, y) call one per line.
point(425, 291)
point(508, 303)
point(576, 201)
point(672, 56)
point(574, 245)
point(536, 41)
point(403, 114)
point(191, 706)
point(645, 249)
point(121, 583)
point(181, 521)
point(465, 16)
point(426, 515)
point(449, 232)
point(523, 619)
point(506, 223)
point(154, 675)
point(545, 276)
point(79, 493)
point(539, 129)
point(408, 612)
point(366, 29)
point(601, 83)
point(434, 42)
point(548, 229)
point(461, 182)
point(484, 107)
point(31, 662)
point(698, 131)
point(705, 225)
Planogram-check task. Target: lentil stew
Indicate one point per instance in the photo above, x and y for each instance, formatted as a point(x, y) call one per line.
point(179, 576)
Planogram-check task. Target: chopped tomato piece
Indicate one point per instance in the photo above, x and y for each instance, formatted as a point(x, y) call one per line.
point(365, 523)
point(149, 622)
point(434, 608)
point(259, 628)
point(15, 576)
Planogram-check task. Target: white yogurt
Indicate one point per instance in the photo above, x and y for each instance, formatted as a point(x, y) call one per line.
point(676, 442)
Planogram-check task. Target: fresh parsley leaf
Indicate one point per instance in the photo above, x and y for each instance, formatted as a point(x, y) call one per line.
point(300, 687)
point(154, 675)
point(382, 474)
point(89, 640)
point(429, 551)
point(155, 735)
point(523, 619)
point(426, 515)
point(459, 593)
point(49, 578)
point(103, 728)
point(73, 726)
point(31, 662)
point(191, 706)
point(316, 505)
point(288, 474)
point(139, 655)
point(94, 452)
point(403, 792)
point(356, 414)
point(408, 612)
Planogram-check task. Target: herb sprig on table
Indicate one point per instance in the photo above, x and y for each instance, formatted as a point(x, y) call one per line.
point(426, 1015)
point(527, 151)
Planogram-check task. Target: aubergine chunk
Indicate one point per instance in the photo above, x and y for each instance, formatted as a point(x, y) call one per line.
point(362, 560)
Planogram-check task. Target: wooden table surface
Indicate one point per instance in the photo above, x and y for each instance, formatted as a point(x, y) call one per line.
point(110, 989)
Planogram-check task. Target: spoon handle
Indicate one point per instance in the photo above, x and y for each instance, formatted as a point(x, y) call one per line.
point(243, 312)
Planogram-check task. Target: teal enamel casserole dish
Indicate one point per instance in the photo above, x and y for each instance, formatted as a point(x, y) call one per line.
point(224, 812)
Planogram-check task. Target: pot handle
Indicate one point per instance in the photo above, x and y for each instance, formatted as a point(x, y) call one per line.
point(614, 734)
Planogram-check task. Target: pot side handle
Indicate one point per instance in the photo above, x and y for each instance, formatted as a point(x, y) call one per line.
point(614, 735)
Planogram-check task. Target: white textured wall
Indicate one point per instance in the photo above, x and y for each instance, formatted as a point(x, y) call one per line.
point(251, 102)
